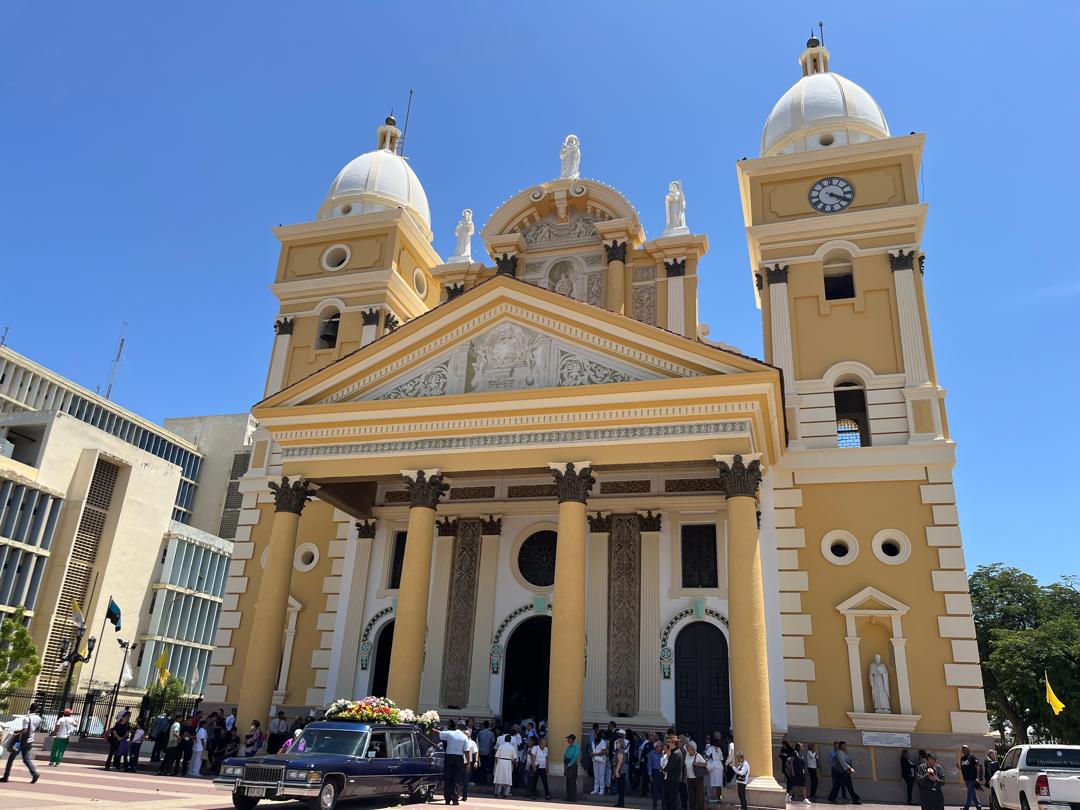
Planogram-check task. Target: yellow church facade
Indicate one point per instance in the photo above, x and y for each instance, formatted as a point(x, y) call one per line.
point(537, 488)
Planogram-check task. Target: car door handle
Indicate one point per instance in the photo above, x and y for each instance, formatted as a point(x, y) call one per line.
point(393, 768)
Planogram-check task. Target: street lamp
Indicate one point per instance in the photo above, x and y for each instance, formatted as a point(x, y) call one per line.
point(127, 647)
point(70, 655)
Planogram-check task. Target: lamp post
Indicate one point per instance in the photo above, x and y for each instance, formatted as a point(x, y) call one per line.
point(70, 655)
point(127, 647)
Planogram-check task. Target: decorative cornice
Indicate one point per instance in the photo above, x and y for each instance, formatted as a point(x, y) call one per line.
point(737, 478)
point(454, 290)
point(391, 322)
point(424, 490)
point(675, 268)
point(365, 529)
point(616, 251)
point(776, 274)
point(649, 522)
point(759, 281)
point(492, 526)
point(290, 497)
point(600, 523)
point(283, 326)
point(507, 265)
point(574, 484)
point(901, 260)
point(447, 527)
point(370, 317)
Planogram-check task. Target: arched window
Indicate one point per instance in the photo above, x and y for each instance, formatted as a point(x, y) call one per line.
point(327, 334)
point(852, 423)
point(839, 276)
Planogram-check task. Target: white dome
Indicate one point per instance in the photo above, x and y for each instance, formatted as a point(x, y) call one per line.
point(822, 109)
point(381, 180)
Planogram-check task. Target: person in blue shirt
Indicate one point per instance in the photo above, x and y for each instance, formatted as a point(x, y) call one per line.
point(655, 772)
point(570, 765)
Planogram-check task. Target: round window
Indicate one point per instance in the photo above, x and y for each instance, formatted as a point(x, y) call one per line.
point(840, 547)
point(536, 559)
point(335, 257)
point(306, 557)
point(419, 281)
point(891, 546)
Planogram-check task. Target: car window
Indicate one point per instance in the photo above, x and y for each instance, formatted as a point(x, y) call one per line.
point(1009, 762)
point(1053, 757)
point(330, 741)
point(377, 747)
point(401, 744)
point(425, 745)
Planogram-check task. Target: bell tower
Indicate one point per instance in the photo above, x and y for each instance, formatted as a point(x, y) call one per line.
point(835, 227)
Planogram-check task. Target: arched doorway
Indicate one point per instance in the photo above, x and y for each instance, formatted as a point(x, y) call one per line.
point(381, 672)
point(702, 698)
point(525, 682)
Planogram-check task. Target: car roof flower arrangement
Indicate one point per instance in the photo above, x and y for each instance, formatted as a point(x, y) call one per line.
point(378, 710)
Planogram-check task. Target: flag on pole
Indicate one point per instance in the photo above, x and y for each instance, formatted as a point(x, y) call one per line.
point(77, 618)
point(193, 684)
point(1051, 698)
point(112, 614)
point(161, 663)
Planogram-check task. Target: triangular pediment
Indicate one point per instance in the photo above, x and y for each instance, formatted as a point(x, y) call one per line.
point(506, 336)
point(870, 601)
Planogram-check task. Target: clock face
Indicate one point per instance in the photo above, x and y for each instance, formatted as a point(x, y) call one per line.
point(831, 194)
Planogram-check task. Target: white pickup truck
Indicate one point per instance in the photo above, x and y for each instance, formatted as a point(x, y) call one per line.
point(1037, 777)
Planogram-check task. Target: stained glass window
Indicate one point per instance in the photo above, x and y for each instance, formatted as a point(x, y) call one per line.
point(536, 559)
point(699, 569)
point(847, 433)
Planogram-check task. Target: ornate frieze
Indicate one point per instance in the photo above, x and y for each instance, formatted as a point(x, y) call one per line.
point(594, 289)
point(290, 496)
point(593, 259)
point(692, 485)
point(645, 303)
point(425, 490)
point(283, 326)
point(365, 529)
point(616, 251)
point(645, 273)
point(576, 370)
point(471, 493)
point(649, 522)
point(461, 613)
point(624, 487)
point(396, 496)
point(548, 231)
point(901, 260)
point(532, 491)
point(573, 484)
point(492, 527)
point(675, 267)
point(432, 383)
point(447, 527)
point(737, 478)
point(599, 523)
point(506, 264)
point(370, 317)
point(624, 615)
point(777, 274)
point(454, 290)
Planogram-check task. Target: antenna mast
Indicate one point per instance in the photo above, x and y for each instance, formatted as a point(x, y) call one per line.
point(405, 129)
point(3, 337)
point(821, 30)
point(116, 362)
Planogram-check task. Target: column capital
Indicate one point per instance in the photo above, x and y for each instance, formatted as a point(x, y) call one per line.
point(759, 281)
point(507, 264)
point(777, 274)
point(615, 250)
point(649, 522)
point(900, 260)
point(370, 317)
point(365, 529)
point(491, 527)
point(574, 480)
point(425, 487)
point(454, 290)
point(675, 268)
point(737, 477)
point(599, 523)
point(290, 497)
point(922, 264)
point(283, 326)
point(391, 322)
point(447, 527)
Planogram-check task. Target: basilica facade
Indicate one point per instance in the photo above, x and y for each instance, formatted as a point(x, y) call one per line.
point(535, 486)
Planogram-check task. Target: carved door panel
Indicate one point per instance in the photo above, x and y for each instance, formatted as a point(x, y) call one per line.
point(702, 699)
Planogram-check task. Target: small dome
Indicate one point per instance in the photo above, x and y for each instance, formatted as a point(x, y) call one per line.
point(381, 180)
point(822, 109)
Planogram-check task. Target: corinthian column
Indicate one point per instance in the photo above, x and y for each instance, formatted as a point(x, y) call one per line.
point(426, 487)
point(271, 604)
point(751, 711)
point(780, 316)
point(907, 306)
point(614, 278)
point(566, 679)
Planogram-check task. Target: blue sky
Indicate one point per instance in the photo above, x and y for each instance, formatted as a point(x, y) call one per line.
point(149, 148)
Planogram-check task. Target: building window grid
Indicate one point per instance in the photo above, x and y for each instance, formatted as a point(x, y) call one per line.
point(699, 559)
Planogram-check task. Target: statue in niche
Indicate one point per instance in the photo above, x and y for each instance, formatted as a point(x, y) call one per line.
point(464, 232)
point(570, 158)
point(561, 278)
point(879, 686)
point(675, 209)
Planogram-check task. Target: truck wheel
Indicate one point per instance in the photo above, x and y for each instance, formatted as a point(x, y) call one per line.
point(242, 802)
point(1024, 802)
point(328, 796)
point(994, 803)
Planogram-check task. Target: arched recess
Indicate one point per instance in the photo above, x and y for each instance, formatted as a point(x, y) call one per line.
point(499, 639)
point(368, 640)
point(527, 664)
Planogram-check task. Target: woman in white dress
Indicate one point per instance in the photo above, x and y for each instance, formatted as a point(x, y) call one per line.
point(505, 755)
point(714, 753)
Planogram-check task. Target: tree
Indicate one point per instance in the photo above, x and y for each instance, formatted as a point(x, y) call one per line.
point(1023, 630)
point(172, 689)
point(19, 661)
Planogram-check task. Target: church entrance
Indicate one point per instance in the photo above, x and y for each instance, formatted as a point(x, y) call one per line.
point(702, 698)
point(525, 682)
point(381, 673)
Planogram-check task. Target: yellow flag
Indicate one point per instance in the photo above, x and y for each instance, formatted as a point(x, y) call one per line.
point(161, 662)
point(1051, 698)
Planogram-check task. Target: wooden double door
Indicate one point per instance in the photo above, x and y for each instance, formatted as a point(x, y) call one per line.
point(702, 694)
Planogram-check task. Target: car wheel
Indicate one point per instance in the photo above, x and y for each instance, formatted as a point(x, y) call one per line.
point(242, 802)
point(422, 795)
point(328, 796)
point(994, 803)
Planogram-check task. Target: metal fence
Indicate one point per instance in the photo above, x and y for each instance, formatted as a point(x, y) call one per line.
point(94, 710)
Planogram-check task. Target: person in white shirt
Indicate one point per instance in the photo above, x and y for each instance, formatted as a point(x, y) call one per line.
point(230, 721)
point(456, 742)
point(279, 732)
point(505, 756)
point(598, 749)
point(137, 737)
point(197, 750)
point(471, 762)
point(61, 734)
point(23, 743)
point(742, 776)
point(538, 757)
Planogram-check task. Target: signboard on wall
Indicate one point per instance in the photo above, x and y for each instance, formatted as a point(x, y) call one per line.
point(886, 739)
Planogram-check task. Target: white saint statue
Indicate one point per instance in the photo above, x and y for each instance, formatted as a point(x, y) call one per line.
point(464, 232)
point(879, 686)
point(675, 209)
point(570, 158)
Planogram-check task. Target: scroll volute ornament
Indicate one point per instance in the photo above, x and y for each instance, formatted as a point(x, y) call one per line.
point(573, 484)
point(290, 497)
point(425, 491)
point(738, 478)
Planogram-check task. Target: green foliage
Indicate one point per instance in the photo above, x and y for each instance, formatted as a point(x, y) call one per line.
point(19, 661)
point(1024, 629)
point(172, 689)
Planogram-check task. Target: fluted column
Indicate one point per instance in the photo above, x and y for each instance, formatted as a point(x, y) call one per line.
point(566, 678)
point(279, 358)
point(426, 487)
point(676, 299)
point(751, 711)
point(907, 306)
point(272, 602)
point(615, 276)
point(780, 316)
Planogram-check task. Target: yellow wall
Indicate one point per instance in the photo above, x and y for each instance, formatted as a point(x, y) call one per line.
point(879, 184)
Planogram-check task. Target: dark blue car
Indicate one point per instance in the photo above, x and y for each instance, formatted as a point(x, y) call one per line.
point(333, 761)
